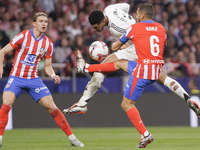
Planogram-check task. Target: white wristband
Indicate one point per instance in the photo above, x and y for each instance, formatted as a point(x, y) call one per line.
point(53, 75)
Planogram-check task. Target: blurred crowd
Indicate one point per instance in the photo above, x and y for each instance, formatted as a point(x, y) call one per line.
point(69, 30)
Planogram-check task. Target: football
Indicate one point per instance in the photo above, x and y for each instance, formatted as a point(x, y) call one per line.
point(98, 50)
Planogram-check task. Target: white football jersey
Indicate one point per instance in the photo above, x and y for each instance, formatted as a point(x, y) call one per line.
point(119, 19)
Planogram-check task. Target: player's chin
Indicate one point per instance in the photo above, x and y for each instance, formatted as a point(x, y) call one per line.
point(43, 29)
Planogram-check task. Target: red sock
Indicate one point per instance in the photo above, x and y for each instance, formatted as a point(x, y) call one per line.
point(134, 116)
point(4, 117)
point(108, 67)
point(61, 121)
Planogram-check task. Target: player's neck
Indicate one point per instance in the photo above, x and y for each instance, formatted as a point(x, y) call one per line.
point(37, 33)
point(145, 19)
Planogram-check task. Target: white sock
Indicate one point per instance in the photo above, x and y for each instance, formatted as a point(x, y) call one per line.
point(92, 87)
point(175, 87)
point(146, 133)
point(72, 137)
point(1, 137)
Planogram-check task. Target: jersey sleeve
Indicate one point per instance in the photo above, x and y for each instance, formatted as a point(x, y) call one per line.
point(17, 40)
point(123, 6)
point(126, 35)
point(49, 51)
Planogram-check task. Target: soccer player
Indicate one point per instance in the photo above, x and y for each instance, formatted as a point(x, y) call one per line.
point(149, 39)
point(117, 19)
point(31, 46)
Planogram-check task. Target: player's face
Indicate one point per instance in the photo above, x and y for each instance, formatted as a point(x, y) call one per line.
point(41, 24)
point(98, 27)
point(139, 16)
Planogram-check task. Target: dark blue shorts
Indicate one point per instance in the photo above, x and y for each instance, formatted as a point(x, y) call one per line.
point(35, 87)
point(135, 86)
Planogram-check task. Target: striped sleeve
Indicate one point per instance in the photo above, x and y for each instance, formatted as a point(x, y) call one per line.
point(17, 39)
point(50, 49)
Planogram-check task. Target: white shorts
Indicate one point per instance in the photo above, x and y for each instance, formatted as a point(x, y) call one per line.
point(127, 53)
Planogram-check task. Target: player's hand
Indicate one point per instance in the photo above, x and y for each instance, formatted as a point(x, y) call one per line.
point(1, 72)
point(56, 79)
point(124, 46)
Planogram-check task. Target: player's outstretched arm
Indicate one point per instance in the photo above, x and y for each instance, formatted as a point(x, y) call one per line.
point(117, 45)
point(50, 72)
point(3, 52)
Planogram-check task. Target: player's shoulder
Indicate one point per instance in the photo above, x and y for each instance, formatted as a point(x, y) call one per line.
point(136, 25)
point(20, 35)
point(158, 24)
point(23, 32)
point(46, 37)
point(109, 9)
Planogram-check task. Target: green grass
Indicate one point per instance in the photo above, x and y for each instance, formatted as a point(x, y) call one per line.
point(126, 138)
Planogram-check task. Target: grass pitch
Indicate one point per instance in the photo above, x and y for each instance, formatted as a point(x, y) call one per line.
point(126, 138)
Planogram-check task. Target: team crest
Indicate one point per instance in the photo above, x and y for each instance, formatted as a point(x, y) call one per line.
point(42, 51)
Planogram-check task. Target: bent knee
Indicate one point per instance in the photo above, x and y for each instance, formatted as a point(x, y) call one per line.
point(124, 106)
point(50, 109)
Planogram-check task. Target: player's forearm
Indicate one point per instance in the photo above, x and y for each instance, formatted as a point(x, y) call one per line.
point(2, 55)
point(116, 46)
point(49, 70)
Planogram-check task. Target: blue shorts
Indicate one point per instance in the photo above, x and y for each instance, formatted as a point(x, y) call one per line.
point(135, 86)
point(35, 87)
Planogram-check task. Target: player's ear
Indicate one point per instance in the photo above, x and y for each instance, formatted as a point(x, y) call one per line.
point(143, 15)
point(34, 24)
point(104, 21)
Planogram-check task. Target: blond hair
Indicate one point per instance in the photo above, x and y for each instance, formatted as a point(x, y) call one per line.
point(37, 15)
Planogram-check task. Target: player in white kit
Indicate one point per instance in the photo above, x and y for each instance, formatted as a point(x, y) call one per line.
point(117, 19)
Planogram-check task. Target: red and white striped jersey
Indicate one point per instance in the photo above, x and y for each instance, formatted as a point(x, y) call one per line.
point(29, 52)
point(149, 38)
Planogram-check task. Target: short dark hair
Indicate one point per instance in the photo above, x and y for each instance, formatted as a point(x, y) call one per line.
point(147, 9)
point(96, 17)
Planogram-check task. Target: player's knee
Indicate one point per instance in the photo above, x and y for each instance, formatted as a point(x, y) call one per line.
point(50, 109)
point(8, 102)
point(124, 106)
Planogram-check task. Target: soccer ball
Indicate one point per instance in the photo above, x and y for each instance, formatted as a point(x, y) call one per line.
point(98, 50)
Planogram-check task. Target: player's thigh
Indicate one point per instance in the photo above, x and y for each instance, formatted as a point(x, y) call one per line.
point(162, 78)
point(121, 64)
point(9, 98)
point(48, 103)
point(37, 89)
point(127, 53)
point(110, 58)
point(15, 85)
point(135, 86)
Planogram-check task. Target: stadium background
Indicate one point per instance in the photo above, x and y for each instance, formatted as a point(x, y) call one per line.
point(69, 28)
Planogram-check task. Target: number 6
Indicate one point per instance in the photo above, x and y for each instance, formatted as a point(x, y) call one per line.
point(154, 45)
